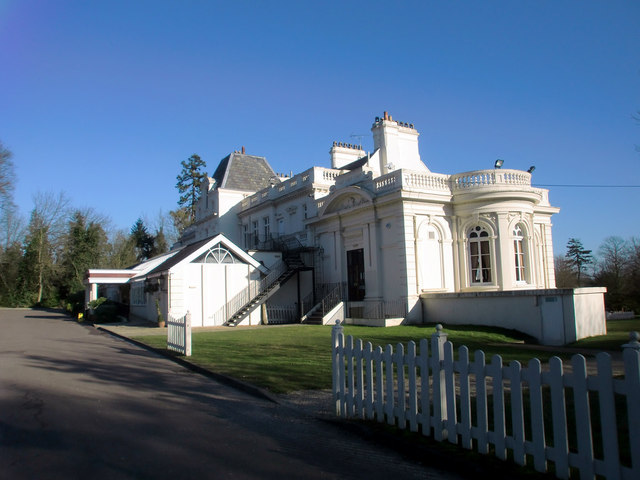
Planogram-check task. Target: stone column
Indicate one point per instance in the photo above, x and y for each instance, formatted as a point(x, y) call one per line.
point(504, 260)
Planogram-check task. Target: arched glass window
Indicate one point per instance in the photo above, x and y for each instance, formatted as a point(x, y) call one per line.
point(479, 255)
point(518, 250)
point(217, 254)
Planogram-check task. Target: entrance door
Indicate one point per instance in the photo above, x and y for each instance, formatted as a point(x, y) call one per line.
point(355, 274)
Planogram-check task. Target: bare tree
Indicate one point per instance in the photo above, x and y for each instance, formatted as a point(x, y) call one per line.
point(11, 223)
point(7, 176)
point(613, 256)
point(46, 231)
point(565, 275)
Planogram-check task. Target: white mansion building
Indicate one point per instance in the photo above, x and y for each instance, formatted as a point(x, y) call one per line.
point(376, 239)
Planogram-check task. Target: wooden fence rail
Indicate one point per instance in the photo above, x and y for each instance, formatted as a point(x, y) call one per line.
point(586, 425)
point(179, 334)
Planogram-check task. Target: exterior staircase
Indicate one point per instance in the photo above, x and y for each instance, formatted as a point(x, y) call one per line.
point(293, 263)
point(315, 318)
point(259, 299)
point(331, 295)
point(291, 248)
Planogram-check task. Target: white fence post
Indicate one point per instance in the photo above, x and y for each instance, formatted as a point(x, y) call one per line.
point(374, 383)
point(187, 334)
point(439, 384)
point(337, 365)
point(631, 356)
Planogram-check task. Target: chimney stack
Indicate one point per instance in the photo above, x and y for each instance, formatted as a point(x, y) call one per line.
point(243, 149)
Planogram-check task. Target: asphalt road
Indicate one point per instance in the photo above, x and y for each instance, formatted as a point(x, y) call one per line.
point(79, 403)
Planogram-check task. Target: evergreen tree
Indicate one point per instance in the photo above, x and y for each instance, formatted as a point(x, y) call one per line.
point(142, 240)
point(578, 257)
point(189, 180)
point(84, 248)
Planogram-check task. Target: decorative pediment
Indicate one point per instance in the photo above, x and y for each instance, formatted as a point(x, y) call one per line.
point(345, 200)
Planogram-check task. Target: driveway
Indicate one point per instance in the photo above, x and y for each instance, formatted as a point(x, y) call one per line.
point(76, 402)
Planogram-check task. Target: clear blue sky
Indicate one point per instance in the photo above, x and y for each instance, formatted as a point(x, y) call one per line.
point(103, 99)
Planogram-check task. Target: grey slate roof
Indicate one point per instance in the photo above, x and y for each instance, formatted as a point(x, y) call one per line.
point(239, 171)
point(357, 163)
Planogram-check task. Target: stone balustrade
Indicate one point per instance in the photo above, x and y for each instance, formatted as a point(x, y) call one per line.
point(430, 182)
point(489, 178)
point(313, 176)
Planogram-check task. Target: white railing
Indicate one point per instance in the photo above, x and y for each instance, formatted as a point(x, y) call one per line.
point(282, 314)
point(179, 334)
point(484, 178)
point(314, 175)
point(449, 399)
point(255, 288)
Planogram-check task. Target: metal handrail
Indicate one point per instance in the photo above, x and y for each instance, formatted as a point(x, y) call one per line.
point(255, 288)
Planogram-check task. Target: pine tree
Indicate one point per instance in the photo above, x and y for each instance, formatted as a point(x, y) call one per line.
point(189, 180)
point(84, 247)
point(142, 240)
point(578, 256)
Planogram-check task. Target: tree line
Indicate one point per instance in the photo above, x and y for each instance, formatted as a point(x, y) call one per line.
point(616, 266)
point(43, 259)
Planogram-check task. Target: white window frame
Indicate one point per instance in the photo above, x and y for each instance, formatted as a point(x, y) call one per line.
point(520, 254)
point(266, 223)
point(219, 254)
point(480, 255)
point(138, 295)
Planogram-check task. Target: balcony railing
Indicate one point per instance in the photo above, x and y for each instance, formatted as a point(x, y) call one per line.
point(490, 178)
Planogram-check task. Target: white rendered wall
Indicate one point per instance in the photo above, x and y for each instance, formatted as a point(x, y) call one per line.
point(398, 146)
point(552, 316)
point(206, 287)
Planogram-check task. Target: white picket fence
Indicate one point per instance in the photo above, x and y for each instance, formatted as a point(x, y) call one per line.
point(179, 334)
point(590, 419)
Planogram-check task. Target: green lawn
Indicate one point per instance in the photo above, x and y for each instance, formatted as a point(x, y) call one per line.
point(298, 357)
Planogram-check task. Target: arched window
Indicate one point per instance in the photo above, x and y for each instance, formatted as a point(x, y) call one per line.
point(479, 255)
point(518, 250)
point(217, 254)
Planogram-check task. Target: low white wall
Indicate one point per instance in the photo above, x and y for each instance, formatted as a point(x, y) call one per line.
point(590, 312)
point(552, 316)
point(337, 313)
point(377, 322)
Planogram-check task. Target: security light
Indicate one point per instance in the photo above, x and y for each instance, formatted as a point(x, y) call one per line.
point(498, 163)
point(531, 169)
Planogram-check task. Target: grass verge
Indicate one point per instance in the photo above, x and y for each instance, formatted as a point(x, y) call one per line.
point(298, 357)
